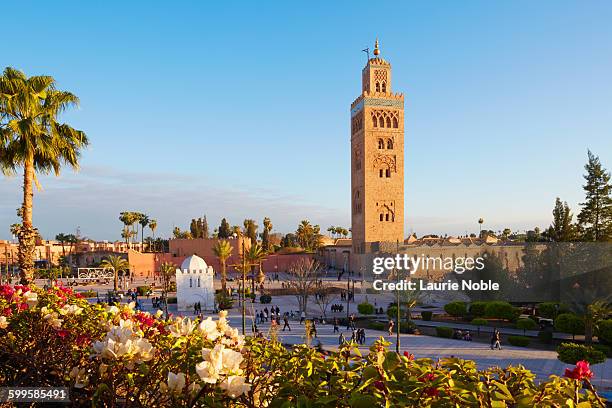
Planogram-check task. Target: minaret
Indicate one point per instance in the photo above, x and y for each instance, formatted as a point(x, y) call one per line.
point(377, 159)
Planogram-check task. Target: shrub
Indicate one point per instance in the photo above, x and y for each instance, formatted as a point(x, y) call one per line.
point(408, 326)
point(365, 308)
point(143, 290)
point(547, 310)
point(264, 299)
point(455, 309)
point(82, 349)
point(426, 315)
point(500, 310)
point(526, 324)
point(224, 302)
point(604, 332)
point(375, 325)
point(477, 309)
point(480, 322)
point(446, 332)
point(545, 336)
point(172, 300)
point(569, 323)
point(604, 349)
point(89, 293)
point(520, 341)
point(392, 312)
point(571, 353)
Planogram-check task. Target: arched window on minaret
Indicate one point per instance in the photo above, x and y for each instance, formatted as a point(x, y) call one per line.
point(388, 173)
point(389, 144)
point(395, 123)
point(388, 122)
point(380, 173)
point(382, 217)
point(375, 120)
point(384, 86)
point(377, 86)
point(381, 144)
point(381, 122)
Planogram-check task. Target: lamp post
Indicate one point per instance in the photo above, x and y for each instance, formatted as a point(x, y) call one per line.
point(397, 343)
point(243, 266)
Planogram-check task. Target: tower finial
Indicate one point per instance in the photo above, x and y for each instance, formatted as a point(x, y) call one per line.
point(376, 50)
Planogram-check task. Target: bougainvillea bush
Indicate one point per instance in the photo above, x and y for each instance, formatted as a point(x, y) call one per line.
point(111, 356)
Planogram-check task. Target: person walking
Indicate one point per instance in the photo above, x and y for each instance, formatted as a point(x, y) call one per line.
point(336, 330)
point(302, 317)
point(286, 325)
point(391, 326)
point(497, 340)
point(313, 328)
point(341, 339)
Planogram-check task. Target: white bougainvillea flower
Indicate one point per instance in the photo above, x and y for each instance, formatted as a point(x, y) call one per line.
point(112, 309)
point(176, 382)
point(123, 342)
point(3, 322)
point(235, 385)
point(208, 327)
point(207, 372)
point(52, 318)
point(31, 298)
point(68, 310)
point(79, 376)
point(181, 327)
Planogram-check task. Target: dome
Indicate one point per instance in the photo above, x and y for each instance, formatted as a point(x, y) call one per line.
point(194, 262)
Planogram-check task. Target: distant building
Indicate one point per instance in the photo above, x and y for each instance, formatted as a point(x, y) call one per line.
point(194, 284)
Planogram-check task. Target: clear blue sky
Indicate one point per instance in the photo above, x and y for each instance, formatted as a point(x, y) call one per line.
point(242, 109)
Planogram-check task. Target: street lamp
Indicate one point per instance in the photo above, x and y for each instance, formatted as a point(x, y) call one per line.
point(243, 266)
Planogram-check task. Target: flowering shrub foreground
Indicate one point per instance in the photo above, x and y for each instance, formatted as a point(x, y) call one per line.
point(115, 356)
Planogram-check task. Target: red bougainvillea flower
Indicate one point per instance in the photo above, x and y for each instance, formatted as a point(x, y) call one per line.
point(62, 333)
point(431, 391)
point(379, 385)
point(145, 320)
point(408, 355)
point(81, 339)
point(7, 312)
point(427, 377)
point(582, 371)
point(6, 292)
point(22, 306)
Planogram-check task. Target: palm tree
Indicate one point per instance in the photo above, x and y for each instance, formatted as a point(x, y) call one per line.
point(62, 238)
point(255, 255)
point(143, 220)
point(166, 270)
point(223, 250)
point(31, 138)
point(153, 226)
point(128, 218)
point(117, 264)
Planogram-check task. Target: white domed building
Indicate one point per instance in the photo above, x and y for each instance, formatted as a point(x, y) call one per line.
point(194, 283)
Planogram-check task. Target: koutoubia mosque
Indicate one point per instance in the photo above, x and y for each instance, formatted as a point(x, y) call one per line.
point(377, 159)
point(377, 186)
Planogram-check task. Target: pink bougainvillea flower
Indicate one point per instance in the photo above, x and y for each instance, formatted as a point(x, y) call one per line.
point(581, 372)
point(427, 377)
point(431, 391)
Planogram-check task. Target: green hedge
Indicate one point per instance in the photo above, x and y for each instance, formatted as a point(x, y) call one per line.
point(392, 312)
point(172, 300)
point(569, 323)
point(500, 310)
point(480, 322)
point(604, 331)
point(477, 309)
point(143, 290)
point(446, 332)
point(426, 315)
point(456, 309)
point(365, 308)
point(264, 299)
point(374, 325)
point(520, 341)
point(526, 324)
point(571, 353)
